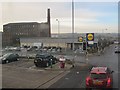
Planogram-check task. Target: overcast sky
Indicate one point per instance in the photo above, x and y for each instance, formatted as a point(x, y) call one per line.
point(89, 16)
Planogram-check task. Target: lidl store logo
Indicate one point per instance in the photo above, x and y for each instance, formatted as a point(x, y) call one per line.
point(90, 36)
point(80, 39)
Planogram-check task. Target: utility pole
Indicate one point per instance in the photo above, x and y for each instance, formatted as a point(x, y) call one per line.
point(73, 24)
point(58, 30)
point(73, 32)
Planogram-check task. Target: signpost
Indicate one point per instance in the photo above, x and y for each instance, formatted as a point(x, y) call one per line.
point(90, 38)
point(90, 41)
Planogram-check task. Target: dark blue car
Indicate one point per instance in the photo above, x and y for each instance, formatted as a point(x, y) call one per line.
point(10, 57)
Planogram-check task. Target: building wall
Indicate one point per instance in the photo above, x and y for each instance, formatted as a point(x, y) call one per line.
point(62, 42)
point(14, 31)
point(63, 45)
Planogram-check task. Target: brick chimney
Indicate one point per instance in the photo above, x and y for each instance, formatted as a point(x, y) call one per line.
point(48, 21)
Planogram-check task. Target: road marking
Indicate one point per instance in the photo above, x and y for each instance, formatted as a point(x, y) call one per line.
point(66, 78)
point(35, 68)
point(77, 72)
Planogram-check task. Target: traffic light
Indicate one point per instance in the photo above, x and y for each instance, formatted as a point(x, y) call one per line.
point(84, 45)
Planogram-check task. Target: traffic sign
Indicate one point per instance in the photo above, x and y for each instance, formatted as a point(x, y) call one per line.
point(90, 42)
point(80, 39)
point(90, 36)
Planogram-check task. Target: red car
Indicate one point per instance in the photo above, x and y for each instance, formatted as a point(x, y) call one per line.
point(100, 77)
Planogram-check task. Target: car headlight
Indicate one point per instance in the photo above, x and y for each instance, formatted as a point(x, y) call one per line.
point(35, 60)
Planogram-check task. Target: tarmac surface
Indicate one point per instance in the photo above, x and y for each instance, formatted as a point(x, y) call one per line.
point(24, 74)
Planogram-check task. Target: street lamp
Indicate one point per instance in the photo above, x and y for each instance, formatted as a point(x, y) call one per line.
point(103, 30)
point(58, 30)
point(58, 27)
point(73, 31)
point(73, 24)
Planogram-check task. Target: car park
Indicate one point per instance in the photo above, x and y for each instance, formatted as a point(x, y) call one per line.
point(10, 57)
point(100, 77)
point(44, 60)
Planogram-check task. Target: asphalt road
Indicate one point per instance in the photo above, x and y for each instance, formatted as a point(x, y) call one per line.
point(109, 59)
point(76, 78)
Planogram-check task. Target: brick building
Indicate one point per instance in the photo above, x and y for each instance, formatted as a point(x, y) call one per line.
point(12, 32)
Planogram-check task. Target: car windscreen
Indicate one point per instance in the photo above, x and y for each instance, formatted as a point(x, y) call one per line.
point(40, 56)
point(98, 76)
point(6, 55)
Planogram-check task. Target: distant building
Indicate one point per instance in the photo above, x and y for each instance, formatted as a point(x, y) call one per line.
point(12, 32)
point(66, 43)
point(46, 42)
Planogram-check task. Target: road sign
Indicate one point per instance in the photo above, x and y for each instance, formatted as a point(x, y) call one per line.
point(90, 36)
point(80, 39)
point(90, 42)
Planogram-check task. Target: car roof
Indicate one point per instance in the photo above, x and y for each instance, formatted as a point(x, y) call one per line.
point(98, 70)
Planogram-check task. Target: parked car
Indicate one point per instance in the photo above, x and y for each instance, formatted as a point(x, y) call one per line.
point(59, 49)
point(100, 77)
point(44, 60)
point(117, 49)
point(10, 57)
point(80, 51)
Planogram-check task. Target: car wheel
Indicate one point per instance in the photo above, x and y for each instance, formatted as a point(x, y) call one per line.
point(36, 65)
point(7, 61)
point(55, 62)
point(17, 59)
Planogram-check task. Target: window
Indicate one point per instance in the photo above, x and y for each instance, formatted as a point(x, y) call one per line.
point(98, 76)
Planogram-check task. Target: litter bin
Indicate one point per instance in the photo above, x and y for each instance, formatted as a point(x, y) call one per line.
point(62, 64)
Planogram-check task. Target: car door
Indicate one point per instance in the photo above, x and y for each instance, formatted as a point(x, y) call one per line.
point(13, 58)
point(9, 58)
point(53, 59)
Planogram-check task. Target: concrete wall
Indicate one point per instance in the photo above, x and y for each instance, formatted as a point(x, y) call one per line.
point(63, 45)
point(62, 42)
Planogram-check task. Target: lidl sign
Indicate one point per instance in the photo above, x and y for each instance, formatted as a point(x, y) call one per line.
point(90, 36)
point(80, 39)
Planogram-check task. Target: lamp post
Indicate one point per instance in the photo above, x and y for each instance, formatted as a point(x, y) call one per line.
point(58, 27)
point(73, 63)
point(104, 31)
point(73, 25)
point(58, 30)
